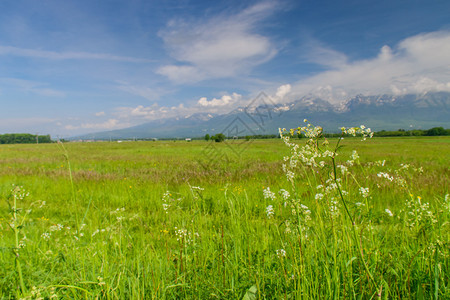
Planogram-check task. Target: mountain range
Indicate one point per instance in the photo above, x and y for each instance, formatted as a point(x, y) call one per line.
point(263, 116)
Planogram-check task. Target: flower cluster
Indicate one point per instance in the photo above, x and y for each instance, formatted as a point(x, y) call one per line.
point(268, 194)
point(364, 192)
point(169, 201)
point(354, 157)
point(385, 175)
point(284, 194)
point(389, 212)
point(418, 213)
point(196, 192)
point(281, 253)
point(56, 227)
point(19, 192)
point(269, 211)
point(354, 131)
point(185, 236)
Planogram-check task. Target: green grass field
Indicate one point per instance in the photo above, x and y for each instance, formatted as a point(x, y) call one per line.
point(171, 220)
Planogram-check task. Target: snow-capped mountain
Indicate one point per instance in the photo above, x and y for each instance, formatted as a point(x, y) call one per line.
point(379, 112)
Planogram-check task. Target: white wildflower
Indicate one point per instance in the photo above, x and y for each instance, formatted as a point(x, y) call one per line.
point(285, 194)
point(344, 169)
point(268, 194)
point(355, 155)
point(269, 211)
point(197, 188)
point(385, 175)
point(56, 227)
point(184, 235)
point(281, 253)
point(389, 212)
point(364, 192)
point(46, 235)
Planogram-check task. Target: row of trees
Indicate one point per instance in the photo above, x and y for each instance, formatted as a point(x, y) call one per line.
point(435, 131)
point(220, 137)
point(24, 138)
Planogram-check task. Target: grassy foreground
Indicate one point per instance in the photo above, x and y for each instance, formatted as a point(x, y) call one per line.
point(171, 220)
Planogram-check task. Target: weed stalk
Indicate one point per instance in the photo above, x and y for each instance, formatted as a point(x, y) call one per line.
point(16, 248)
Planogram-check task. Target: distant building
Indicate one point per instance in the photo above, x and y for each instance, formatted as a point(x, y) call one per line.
point(188, 139)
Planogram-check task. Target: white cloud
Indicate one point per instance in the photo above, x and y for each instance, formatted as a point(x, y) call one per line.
point(153, 112)
point(33, 53)
point(182, 74)
point(100, 114)
point(417, 64)
point(107, 125)
point(219, 47)
point(142, 113)
point(225, 100)
point(282, 91)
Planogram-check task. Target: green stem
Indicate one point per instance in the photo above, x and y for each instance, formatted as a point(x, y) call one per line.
point(339, 190)
point(16, 248)
point(360, 252)
point(66, 156)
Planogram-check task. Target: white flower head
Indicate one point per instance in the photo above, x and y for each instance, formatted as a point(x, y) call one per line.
point(364, 192)
point(389, 212)
point(285, 194)
point(46, 236)
point(318, 196)
point(268, 194)
point(269, 211)
point(281, 253)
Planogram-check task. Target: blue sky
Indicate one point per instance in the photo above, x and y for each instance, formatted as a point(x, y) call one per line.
point(73, 67)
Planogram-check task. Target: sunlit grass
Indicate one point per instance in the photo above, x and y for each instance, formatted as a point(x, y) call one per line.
point(113, 237)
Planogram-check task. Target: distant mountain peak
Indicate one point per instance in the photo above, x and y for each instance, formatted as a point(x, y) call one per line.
point(388, 112)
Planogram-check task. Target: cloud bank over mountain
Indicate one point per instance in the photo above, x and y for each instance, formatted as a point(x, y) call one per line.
point(417, 64)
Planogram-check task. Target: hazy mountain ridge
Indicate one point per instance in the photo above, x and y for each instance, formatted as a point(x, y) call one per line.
point(379, 112)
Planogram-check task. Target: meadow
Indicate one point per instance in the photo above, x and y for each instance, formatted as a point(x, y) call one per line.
point(260, 219)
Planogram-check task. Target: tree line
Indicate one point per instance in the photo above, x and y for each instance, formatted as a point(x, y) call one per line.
point(24, 138)
point(435, 131)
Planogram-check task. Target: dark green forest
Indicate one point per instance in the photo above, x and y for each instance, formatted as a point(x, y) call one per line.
point(435, 131)
point(24, 138)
